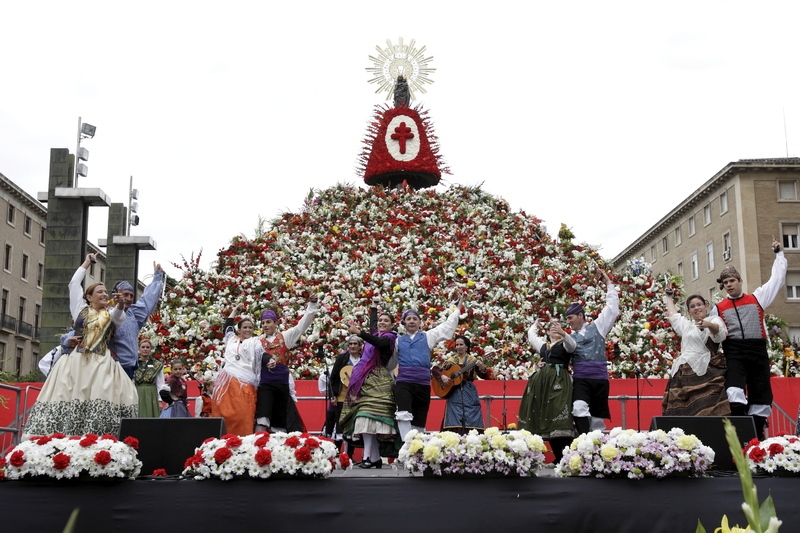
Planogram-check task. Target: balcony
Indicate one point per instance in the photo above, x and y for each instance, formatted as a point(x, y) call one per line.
point(8, 323)
point(24, 329)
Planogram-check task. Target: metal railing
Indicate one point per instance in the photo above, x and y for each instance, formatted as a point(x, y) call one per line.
point(10, 435)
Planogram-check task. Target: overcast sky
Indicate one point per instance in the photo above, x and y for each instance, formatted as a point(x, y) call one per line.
point(602, 115)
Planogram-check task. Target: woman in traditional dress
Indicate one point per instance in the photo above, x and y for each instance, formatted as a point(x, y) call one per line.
point(235, 389)
point(463, 411)
point(175, 392)
point(87, 391)
point(149, 378)
point(697, 378)
point(368, 413)
point(546, 406)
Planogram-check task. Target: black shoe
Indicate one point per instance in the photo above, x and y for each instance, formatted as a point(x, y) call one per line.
point(371, 464)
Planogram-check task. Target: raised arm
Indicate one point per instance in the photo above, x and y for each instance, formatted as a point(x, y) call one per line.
point(605, 320)
point(767, 293)
point(147, 303)
point(292, 335)
point(76, 301)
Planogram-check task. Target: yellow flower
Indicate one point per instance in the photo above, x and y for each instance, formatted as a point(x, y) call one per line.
point(450, 439)
point(396, 288)
point(735, 529)
point(646, 325)
point(431, 452)
point(575, 463)
point(289, 283)
point(461, 272)
point(492, 431)
point(470, 283)
point(499, 442)
point(608, 452)
point(687, 442)
point(336, 229)
point(415, 446)
point(431, 310)
point(512, 425)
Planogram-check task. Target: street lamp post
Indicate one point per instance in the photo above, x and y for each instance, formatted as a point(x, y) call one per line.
point(85, 131)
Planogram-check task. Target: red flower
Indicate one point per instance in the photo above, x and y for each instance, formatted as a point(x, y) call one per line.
point(263, 457)
point(159, 472)
point(102, 457)
point(58, 436)
point(757, 454)
point(17, 458)
point(41, 441)
point(262, 440)
point(109, 436)
point(133, 442)
point(194, 461)
point(775, 448)
point(226, 436)
point(61, 461)
point(312, 443)
point(233, 441)
point(88, 440)
point(209, 439)
point(344, 459)
point(302, 454)
point(222, 455)
point(292, 442)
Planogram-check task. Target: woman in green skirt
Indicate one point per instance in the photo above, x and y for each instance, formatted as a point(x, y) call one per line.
point(149, 377)
point(546, 406)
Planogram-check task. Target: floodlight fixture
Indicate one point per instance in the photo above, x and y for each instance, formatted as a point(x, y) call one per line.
point(87, 131)
point(83, 154)
point(134, 220)
point(134, 207)
point(82, 170)
point(134, 194)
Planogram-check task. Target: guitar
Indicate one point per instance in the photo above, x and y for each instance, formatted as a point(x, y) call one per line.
point(344, 375)
point(456, 375)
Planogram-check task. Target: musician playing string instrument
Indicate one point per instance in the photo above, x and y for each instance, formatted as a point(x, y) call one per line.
point(463, 411)
point(368, 413)
point(336, 386)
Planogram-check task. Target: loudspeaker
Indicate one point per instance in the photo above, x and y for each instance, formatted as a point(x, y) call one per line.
point(167, 442)
point(711, 431)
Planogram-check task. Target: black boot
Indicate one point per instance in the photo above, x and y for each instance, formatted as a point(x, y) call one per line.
point(583, 424)
point(761, 424)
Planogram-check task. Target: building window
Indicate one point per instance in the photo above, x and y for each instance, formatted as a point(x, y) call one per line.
point(18, 368)
point(11, 212)
point(41, 235)
point(695, 266)
point(24, 274)
point(691, 225)
point(794, 334)
point(793, 285)
point(27, 226)
point(91, 269)
point(710, 256)
point(787, 190)
point(678, 236)
point(22, 304)
point(712, 295)
point(102, 275)
point(664, 245)
point(4, 303)
point(39, 275)
point(790, 232)
point(680, 268)
point(723, 202)
point(707, 214)
point(37, 316)
point(726, 247)
point(7, 258)
point(652, 254)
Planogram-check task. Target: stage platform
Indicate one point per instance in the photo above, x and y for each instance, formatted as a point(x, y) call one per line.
point(389, 500)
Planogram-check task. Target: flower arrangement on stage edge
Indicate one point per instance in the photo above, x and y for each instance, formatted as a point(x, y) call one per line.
point(635, 455)
point(60, 457)
point(515, 453)
point(264, 455)
point(774, 456)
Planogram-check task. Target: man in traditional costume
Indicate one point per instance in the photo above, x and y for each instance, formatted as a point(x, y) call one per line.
point(335, 390)
point(746, 345)
point(125, 342)
point(413, 390)
point(589, 362)
point(273, 389)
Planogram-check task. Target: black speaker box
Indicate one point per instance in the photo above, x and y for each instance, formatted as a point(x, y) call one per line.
point(167, 442)
point(711, 431)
